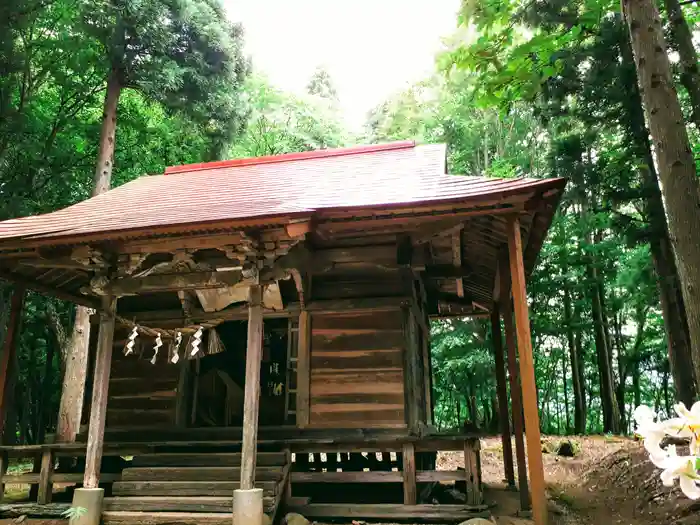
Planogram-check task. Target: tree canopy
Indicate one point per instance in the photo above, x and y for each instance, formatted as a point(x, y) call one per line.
point(550, 89)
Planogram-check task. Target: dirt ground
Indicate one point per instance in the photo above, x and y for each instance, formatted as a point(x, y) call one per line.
point(610, 481)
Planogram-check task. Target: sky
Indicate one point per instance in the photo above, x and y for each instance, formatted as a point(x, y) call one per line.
point(371, 48)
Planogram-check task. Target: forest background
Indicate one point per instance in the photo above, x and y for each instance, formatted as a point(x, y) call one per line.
point(543, 88)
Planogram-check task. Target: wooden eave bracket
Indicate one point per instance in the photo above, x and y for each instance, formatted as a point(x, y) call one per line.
point(299, 229)
point(301, 284)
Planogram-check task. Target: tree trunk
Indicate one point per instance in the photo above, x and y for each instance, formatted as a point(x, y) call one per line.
point(566, 393)
point(622, 369)
point(73, 391)
point(576, 371)
point(688, 58)
point(664, 386)
point(679, 181)
point(636, 387)
point(611, 416)
point(76, 367)
point(45, 393)
point(580, 364)
point(29, 399)
point(670, 296)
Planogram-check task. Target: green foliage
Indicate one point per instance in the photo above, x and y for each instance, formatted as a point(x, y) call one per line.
point(321, 85)
point(183, 54)
point(74, 513)
point(527, 88)
point(281, 122)
point(463, 369)
point(51, 93)
point(481, 140)
point(185, 98)
point(182, 71)
point(549, 89)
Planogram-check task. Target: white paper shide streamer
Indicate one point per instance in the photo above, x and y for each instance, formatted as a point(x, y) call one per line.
point(129, 349)
point(176, 348)
point(196, 341)
point(159, 343)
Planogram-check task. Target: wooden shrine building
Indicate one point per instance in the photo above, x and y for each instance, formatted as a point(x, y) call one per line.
point(264, 322)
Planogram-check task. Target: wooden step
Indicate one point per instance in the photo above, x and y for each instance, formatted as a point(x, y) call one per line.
point(177, 504)
point(213, 459)
point(185, 488)
point(197, 474)
point(166, 518)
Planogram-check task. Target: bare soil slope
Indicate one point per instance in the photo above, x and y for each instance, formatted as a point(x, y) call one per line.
point(609, 481)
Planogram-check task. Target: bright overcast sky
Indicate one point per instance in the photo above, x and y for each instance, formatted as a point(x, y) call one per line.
point(371, 48)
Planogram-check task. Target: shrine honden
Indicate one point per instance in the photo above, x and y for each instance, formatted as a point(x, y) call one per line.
point(261, 330)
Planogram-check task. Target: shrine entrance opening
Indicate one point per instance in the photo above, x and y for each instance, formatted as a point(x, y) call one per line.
point(218, 378)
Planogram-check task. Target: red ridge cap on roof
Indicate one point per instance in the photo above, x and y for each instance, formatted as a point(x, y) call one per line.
point(287, 157)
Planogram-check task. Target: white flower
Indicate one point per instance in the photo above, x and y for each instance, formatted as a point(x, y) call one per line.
point(687, 425)
point(682, 468)
point(653, 433)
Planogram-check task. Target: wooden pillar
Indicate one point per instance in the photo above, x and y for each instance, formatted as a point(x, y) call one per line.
point(472, 470)
point(251, 402)
point(100, 390)
point(45, 474)
point(502, 395)
point(4, 461)
point(303, 370)
point(9, 348)
point(527, 372)
point(515, 392)
point(410, 491)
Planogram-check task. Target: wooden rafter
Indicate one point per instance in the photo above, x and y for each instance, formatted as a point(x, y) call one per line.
point(444, 228)
point(49, 290)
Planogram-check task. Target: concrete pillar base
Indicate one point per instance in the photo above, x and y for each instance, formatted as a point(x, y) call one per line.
point(87, 505)
point(247, 507)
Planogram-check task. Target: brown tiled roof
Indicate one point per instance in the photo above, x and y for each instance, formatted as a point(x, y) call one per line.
point(270, 189)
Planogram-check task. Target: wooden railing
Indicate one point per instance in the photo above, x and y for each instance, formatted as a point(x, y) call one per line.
point(408, 474)
point(44, 457)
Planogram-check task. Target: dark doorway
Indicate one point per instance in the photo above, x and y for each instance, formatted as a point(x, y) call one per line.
point(219, 379)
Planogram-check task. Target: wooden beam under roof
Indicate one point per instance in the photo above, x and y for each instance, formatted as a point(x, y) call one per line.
point(448, 298)
point(37, 286)
point(448, 271)
point(175, 281)
point(408, 221)
point(444, 228)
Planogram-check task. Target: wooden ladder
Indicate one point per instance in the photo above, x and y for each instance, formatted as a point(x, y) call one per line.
point(291, 375)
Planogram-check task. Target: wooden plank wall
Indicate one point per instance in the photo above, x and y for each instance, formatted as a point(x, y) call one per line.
point(420, 311)
point(141, 394)
point(414, 372)
point(357, 376)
